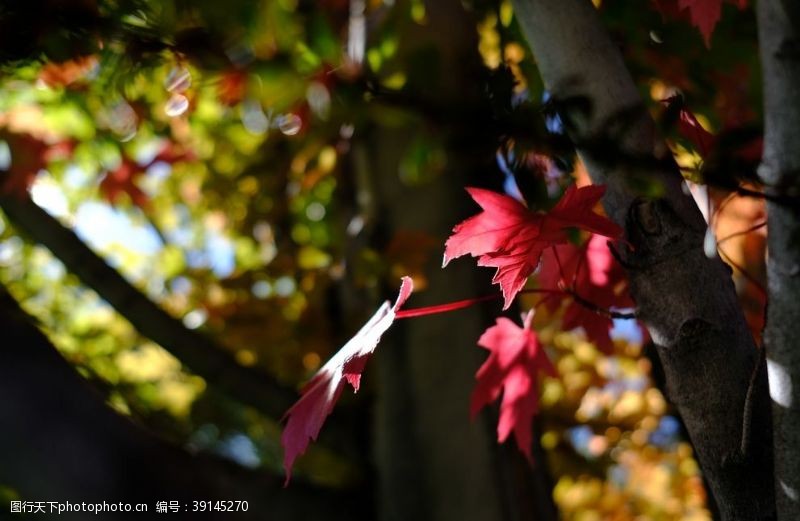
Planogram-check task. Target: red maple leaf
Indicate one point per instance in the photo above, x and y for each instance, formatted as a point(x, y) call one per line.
point(511, 238)
point(598, 280)
point(172, 153)
point(732, 96)
point(320, 394)
point(690, 128)
point(232, 86)
point(515, 359)
point(122, 180)
point(703, 14)
point(29, 155)
point(67, 73)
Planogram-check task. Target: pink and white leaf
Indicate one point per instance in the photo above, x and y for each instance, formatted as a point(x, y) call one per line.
point(306, 417)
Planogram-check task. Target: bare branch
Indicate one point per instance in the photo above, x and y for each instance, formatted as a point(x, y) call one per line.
point(63, 443)
point(196, 351)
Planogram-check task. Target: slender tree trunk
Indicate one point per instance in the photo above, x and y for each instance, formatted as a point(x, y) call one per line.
point(434, 463)
point(686, 300)
point(779, 37)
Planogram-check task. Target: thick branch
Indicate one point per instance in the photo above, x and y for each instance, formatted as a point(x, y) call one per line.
point(686, 300)
point(779, 37)
point(60, 442)
point(196, 351)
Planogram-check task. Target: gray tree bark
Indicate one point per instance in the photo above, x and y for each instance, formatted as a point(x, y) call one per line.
point(779, 38)
point(686, 300)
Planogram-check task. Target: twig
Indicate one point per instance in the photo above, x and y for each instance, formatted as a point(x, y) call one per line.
point(743, 271)
point(742, 232)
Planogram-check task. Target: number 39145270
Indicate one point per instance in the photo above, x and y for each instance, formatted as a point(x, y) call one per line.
point(220, 506)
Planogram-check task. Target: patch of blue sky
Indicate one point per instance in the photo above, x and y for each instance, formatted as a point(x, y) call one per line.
point(618, 475)
point(240, 449)
point(180, 285)
point(46, 193)
point(182, 234)
point(552, 122)
point(667, 433)
point(146, 151)
point(102, 226)
point(53, 271)
point(154, 177)
point(10, 250)
point(618, 386)
point(214, 251)
point(579, 437)
point(628, 330)
point(504, 162)
point(221, 254)
point(76, 177)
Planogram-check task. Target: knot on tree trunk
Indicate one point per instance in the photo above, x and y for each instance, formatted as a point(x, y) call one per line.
point(656, 233)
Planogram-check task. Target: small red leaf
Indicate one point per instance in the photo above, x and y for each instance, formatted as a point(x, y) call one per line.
point(67, 73)
point(172, 153)
point(703, 14)
point(232, 86)
point(575, 209)
point(515, 360)
point(511, 238)
point(320, 394)
point(122, 180)
point(690, 128)
point(593, 274)
point(29, 155)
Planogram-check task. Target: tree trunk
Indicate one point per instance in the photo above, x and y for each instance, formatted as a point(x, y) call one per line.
point(779, 37)
point(434, 463)
point(686, 300)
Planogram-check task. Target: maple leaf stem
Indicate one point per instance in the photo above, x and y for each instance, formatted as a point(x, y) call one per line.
point(443, 308)
point(461, 304)
point(742, 191)
point(558, 261)
point(598, 309)
point(546, 298)
point(741, 269)
point(581, 263)
point(741, 232)
point(549, 292)
point(772, 196)
point(722, 205)
point(750, 278)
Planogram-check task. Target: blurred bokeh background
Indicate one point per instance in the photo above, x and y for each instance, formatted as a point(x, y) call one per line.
point(203, 200)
